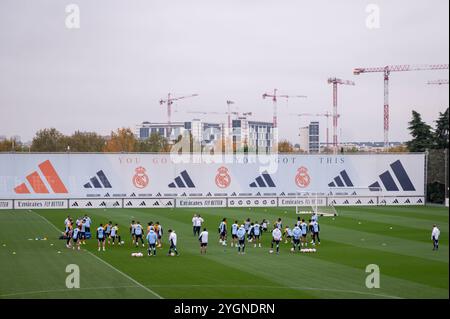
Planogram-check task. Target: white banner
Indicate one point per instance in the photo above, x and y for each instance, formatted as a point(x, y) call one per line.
point(149, 202)
point(41, 176)
point(401, 201)
point(201, 202)
point(352, 201)
point(95, 203)
point(6, 204)
point(40, 204)
point(252, 202)
point(312, 201)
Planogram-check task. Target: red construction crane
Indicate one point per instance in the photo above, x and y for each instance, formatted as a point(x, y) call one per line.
point(274, 97)
point(437, 82)
point(169, 101)
point(326, 114)
point(335, 82)
point(386, 70)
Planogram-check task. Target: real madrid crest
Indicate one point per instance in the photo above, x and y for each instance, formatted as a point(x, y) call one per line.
point(302, 178)
point(223, 179)
point(140, 179)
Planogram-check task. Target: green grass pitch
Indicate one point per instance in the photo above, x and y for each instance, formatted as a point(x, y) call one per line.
point(397, 239)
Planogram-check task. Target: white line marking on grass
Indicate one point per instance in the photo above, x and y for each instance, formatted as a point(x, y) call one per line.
point(106, 263)
point(209, 286)
point(62, 290)
point(126, 276)
point(281, 287)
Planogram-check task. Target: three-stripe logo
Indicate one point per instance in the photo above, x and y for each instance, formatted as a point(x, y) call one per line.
point(388, 181)
point(342, 180)
point(100, 182)
point(264, 180)
point(182, 181)
point(37, 184)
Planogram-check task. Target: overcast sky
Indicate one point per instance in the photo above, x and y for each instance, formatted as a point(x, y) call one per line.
point(126, 55)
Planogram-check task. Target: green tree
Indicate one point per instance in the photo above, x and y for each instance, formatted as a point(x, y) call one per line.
point(123, 140)
point(9, 145)
point(155, 143)
point(86, 142)
point(421, 133)
point(49, 140)
point(441, 132)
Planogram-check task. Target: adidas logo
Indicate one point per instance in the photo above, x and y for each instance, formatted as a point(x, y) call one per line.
point(263, 181)
point(342, 180)
point(100, 182)
point(103, 204)
point(419, 201)
point(88, 204)
point(388, 181)
point(182, 181)
point(358, 202)
point(37, 184)
point(130, 204)
point(75, 204)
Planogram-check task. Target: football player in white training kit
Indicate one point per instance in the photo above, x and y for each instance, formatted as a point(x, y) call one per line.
point(276, 238)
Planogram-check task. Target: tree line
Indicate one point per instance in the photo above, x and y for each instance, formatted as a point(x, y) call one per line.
point(435, 142)
point(121, 140)
point(424, 137)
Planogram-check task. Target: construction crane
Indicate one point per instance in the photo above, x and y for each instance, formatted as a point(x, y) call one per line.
point(335, 82)
point(274, 97)
point(204, 112)
point(169, 101)
point(243, 114)
point(326, 114)
point(234, 113)
point(437, 82)
point(386, 70)
point(229, 102)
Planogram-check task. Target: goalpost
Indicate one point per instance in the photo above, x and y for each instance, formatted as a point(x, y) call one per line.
point(314, 203)
point(323, 205)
